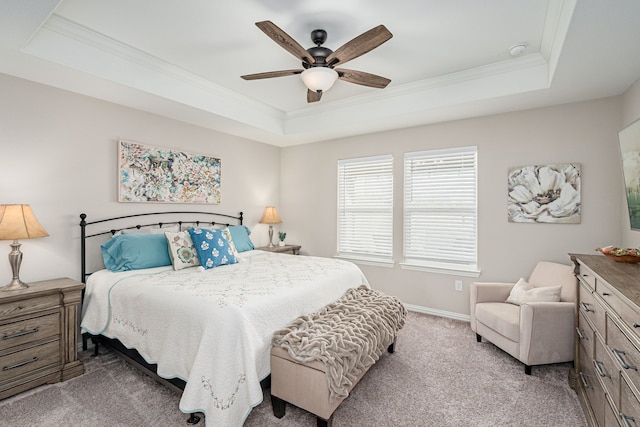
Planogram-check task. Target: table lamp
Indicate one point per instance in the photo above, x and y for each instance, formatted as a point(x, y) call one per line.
point(270, 216)
point(18, 222)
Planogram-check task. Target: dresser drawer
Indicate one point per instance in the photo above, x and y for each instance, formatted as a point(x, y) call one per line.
point(29, 330)
point(21, 362)
point(631, 317)
point(28, 305)
point(625, 353)
point(585, 335)
point(611, 417)
point(629, 414)
point(588, 277)
point(607, 371)
point(603, 289)
point(592, 310)
point(592, 388)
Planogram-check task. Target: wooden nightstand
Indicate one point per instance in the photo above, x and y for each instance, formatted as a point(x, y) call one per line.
point(290, 249)
point(39, 329)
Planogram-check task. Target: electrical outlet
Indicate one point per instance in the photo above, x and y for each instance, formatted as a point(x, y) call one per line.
point(459, 285)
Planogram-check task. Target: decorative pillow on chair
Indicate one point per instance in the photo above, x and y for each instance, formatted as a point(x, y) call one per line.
point(212, 247)
point(181, 250)
point(523, 293)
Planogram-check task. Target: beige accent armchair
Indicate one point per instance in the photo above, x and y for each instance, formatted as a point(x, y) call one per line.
point(535, 333)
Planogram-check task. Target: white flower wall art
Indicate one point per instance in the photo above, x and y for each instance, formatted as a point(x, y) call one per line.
point(545, 194)
point(162, 175)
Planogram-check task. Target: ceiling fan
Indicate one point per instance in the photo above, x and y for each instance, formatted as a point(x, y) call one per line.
point(318, 62)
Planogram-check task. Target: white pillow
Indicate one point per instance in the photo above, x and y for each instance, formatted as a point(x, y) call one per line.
point(149, 230)
point(523, 293)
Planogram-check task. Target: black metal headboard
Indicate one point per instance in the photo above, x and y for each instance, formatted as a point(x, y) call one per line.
point(205, 218)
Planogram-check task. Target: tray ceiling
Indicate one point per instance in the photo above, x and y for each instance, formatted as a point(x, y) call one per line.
point(446, 60)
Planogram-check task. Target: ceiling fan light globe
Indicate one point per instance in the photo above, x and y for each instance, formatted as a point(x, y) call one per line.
point(319, 78)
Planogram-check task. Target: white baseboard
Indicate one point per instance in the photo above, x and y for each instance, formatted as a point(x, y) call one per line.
point(441, 313)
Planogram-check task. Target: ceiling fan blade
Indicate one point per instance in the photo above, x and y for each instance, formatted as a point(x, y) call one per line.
point(270, 74)
point(362, 78)
point(313, 96)
point(362, 44)
point(285, 40)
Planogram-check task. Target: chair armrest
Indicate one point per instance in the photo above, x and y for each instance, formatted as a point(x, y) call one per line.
point(490, 292)
point(547, 332)
point(480, 292)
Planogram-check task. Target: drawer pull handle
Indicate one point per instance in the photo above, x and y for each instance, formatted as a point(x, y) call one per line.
point(636, 325)
point(586, 308)
point(20, 334)
point(17, 365)
point(581, 334)
point(618, 355)
point(598, 365)
point(626, 418)
point(585, 383)
point(606, 294)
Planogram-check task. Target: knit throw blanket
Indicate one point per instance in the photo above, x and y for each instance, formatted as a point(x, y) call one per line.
point(348, 335)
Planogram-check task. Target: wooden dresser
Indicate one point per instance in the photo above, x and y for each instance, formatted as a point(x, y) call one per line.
point(39, 330)
point(607, 358)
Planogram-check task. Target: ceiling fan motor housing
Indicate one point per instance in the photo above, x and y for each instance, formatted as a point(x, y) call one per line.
point(320, 54)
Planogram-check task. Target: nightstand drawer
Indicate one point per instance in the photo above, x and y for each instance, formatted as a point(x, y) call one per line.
point(28, 360)
point(29, 330)
point(29, 305)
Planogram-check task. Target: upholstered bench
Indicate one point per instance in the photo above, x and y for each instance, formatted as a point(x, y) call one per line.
point(319, 358)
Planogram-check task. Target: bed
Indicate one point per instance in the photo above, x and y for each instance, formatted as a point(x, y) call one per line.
point(206, 331)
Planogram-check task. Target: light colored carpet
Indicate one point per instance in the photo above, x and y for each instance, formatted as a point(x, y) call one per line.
point(439, 376)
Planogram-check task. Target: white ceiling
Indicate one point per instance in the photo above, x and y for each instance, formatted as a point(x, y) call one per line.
point(447, 59)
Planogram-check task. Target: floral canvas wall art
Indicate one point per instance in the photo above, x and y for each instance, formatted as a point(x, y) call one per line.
point(545, 194)
point(630, 149)
point(162, 175)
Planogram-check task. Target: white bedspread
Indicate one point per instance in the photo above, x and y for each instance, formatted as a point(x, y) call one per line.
point(213, 328)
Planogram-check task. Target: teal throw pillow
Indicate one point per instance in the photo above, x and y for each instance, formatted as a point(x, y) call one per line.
point(240, 237)
point(135, 251)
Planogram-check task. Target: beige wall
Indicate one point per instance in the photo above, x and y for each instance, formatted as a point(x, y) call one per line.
point(583, 133)
point(631, 113)
point(59, 154)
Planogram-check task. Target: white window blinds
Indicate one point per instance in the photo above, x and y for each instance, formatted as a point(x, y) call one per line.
point(365, 207)
point(440, 207)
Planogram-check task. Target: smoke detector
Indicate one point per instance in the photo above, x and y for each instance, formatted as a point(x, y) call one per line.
point(517, 50)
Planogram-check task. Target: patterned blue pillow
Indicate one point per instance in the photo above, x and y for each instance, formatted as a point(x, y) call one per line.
point(212, 247)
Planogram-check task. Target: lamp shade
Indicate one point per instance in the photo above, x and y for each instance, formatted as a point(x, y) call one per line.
point(19, 222)
point(319, 78)
point(270, 216)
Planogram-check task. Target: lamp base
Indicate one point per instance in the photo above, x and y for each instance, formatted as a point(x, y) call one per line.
point(15, 258)
point(271, 245)
point(15, 285)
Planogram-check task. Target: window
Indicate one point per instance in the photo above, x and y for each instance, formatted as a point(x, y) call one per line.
point(365, 209)
point(440, 210)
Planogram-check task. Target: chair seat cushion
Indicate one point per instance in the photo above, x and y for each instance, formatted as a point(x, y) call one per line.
point(501, 317)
